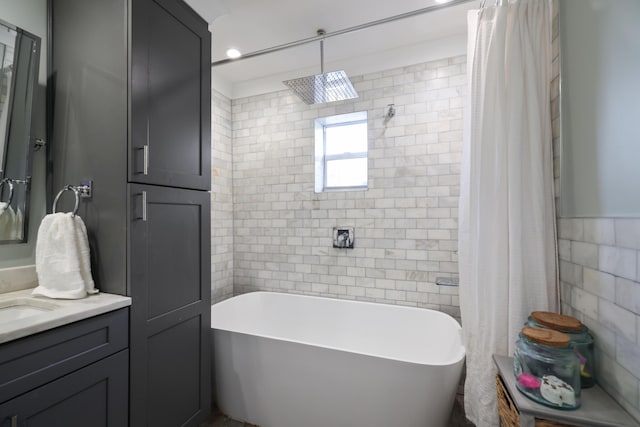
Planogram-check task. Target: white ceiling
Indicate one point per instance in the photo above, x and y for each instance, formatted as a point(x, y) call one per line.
point(251, 25)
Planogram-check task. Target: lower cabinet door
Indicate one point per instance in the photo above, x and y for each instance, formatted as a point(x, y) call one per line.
point(95, 396)
point(170, 323)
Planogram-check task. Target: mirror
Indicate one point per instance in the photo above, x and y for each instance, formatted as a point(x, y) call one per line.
point(600, 108)
point(19, 62)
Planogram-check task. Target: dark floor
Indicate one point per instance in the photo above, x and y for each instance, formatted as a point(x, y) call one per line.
point(457, 418)
point(219, 420)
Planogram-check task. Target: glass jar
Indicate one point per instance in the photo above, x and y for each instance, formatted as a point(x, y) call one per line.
point(546, 368)
point(581, 340)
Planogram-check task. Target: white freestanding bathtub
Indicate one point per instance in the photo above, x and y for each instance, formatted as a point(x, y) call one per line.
point(283, 360)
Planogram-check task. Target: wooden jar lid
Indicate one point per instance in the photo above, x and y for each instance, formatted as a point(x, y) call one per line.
point(546, 336)
point(556, 321)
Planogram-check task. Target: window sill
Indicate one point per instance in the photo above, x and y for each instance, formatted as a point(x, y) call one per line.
point(340, 189)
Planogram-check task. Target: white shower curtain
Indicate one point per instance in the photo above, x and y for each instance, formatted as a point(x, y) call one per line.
point(507, 244)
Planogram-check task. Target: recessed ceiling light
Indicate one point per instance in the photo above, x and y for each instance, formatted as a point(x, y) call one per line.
point(233, 53)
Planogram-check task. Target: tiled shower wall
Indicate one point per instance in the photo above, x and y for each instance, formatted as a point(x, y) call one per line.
point(221, 199)
point(405, 223)
point(599, 259)
point(600, 283)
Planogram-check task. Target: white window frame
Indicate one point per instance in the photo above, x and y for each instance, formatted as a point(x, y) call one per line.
point(321, 125)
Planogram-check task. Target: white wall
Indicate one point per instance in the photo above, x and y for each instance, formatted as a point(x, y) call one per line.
point(405, 223)
point(381, 61)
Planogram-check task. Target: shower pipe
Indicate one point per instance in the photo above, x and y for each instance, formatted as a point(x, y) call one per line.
point(340, 32)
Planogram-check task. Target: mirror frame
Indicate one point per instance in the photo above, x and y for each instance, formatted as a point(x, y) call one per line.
point(25, 181)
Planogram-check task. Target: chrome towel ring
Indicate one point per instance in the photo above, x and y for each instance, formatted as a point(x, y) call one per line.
point(79, 191)
point(75, 192)
point(9, 183)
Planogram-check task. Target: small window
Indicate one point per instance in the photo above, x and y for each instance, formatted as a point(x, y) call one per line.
point(341, 152)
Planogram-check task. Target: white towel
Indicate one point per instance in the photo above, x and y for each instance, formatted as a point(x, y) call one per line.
point(18, 225)
point(7, 222)
point(62, 258)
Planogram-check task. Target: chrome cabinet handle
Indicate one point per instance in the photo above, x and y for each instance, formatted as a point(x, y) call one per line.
point(145, 149)
point(14, 421)
point(145, 161)
point(144, 206)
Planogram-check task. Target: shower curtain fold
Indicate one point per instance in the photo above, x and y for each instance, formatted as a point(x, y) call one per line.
point(507, 239)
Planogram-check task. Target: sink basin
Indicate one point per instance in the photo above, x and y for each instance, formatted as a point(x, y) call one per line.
point(22, 307)
point(22, 314)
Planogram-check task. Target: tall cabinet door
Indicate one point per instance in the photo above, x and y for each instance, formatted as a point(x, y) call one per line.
point(170, 94)
point(169, 276)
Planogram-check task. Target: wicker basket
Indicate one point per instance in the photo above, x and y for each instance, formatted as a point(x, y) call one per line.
point(509, 415)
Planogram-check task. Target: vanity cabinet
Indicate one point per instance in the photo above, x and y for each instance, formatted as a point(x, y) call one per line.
point(74, 375)
point(130, 110)
point(92, 396)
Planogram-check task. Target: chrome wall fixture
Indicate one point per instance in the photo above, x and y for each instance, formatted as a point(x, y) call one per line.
point(277, 48)
point(38, 144)
point(82, 191)
point(9, 182)
point(391, 111)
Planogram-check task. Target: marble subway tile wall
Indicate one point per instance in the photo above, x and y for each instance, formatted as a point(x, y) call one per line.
point(405, 223)
point(221, 199)
point(600, 285)
point(600, 280)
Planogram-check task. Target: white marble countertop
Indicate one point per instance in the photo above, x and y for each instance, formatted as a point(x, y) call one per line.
point(50, 313)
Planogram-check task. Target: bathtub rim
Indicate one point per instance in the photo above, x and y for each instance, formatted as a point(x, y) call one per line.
point(456, 359)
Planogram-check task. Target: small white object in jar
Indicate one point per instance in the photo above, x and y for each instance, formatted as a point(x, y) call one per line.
point(557, 391)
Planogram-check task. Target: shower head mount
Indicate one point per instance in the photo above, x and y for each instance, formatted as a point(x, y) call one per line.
point(321, 32)
point(391, 111)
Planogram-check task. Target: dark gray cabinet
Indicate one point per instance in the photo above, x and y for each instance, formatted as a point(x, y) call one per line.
point(170, 262)
point(93, 396)
point(171, 72)
point(74, 375)
point(129, 101)
point(130, 109)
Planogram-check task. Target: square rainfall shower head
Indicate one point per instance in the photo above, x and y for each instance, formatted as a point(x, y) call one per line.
point(321, 88)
